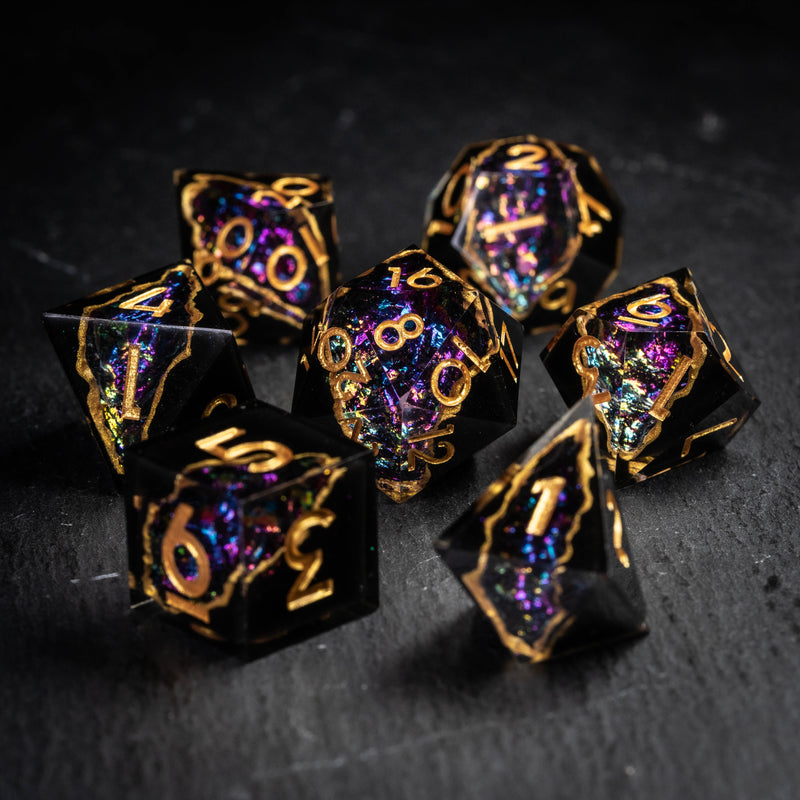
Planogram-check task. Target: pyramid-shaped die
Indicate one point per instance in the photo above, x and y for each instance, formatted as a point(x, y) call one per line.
point(146, 354)
point(413, 363)
point(543, 552)
point(665, 384)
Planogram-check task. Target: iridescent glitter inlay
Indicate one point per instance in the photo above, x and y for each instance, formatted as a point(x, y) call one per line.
point(528, 542)
point(405, 346)
point(258, 245)
point(127, 347)
point(224, 527)
point(519, 231)
point(644, 355)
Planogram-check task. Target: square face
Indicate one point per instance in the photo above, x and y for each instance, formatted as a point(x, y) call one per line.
point(143, 354)
point(265, 245)
point(248, 526)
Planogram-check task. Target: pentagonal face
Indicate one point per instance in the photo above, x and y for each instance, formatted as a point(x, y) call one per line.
point(414, 364)
point(650, 358)
point(530, 221)
point(542, 537)
point(145, 354)
point(247, 526)
point(266, 246)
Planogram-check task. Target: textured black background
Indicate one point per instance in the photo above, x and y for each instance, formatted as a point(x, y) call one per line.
point(694, 118)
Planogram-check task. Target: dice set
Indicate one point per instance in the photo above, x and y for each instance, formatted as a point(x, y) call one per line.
point(256, 527)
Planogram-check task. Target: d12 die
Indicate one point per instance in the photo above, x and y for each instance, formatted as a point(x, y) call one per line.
point(266, 246)
point(146, 354)
point(532, 222)
point(413, 363)
point(253, 527)
point(542, 551)
point(665, 384)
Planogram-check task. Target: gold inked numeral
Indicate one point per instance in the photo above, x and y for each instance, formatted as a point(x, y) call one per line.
point(325, 352)
point(526, 156)
point(587, 204)
point(236, 251)
point(301, 267)
point(445, 452)
point(659, 409)
point(687, 442)
point(401, 329)
point(303, 592)
point(560, 296)
point(361, 377)
point(589, 375)
point(549, 489)
point(421, 279)
point(439, 226)
point(492, 232)
point(481, 363)
point(130, 410)
point(462, 385)
point(190, 589)
point(260, 456)
point(645, 317)
point(295, 186)
point(137, 303)
point(611, 505)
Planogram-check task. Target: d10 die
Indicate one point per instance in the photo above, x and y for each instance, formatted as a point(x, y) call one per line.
point(147, 354)
point(531, 222)
point(413, 363)
point(665, 385)
point(543, 552)
point(265, 245)
point(251, 526)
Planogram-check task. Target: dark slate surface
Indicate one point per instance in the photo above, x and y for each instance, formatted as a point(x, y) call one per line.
point(695, 121)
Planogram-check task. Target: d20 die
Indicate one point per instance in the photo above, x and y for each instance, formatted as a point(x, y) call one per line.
point(265, 245)
point(413, 363)
point(543, 552)
point(531, 222)
point(252, 527)
point(665, 385)
point(146, 354)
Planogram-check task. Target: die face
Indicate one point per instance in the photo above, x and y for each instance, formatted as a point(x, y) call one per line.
point(665, 385)
point(542, 550)
point(251, 528)
point(531, 222)
point(414, 364)
point(265, 245)
point(146, 354)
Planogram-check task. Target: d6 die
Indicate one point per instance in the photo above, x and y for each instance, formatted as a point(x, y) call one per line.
point(146, 354)
point(532, 222)
point(542, 551)
point(265, 245)
point(665, 385)
point(413, 363)
point(252, 527)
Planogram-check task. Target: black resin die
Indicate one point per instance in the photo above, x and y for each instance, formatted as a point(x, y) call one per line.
point(146, 354)
point(252, 528)
point(666, 387)
point(265, 245)
point(543, 551)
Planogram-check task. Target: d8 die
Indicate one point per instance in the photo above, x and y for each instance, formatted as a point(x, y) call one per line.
point(413, 363)
point(265, 245)
point(251, 527)
point(542, 551)
point(665, 385)
point(147, 354)
point(531, 222)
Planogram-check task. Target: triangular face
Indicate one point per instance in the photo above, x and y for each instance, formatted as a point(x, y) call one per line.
point(128, 351)
point(548, 518)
